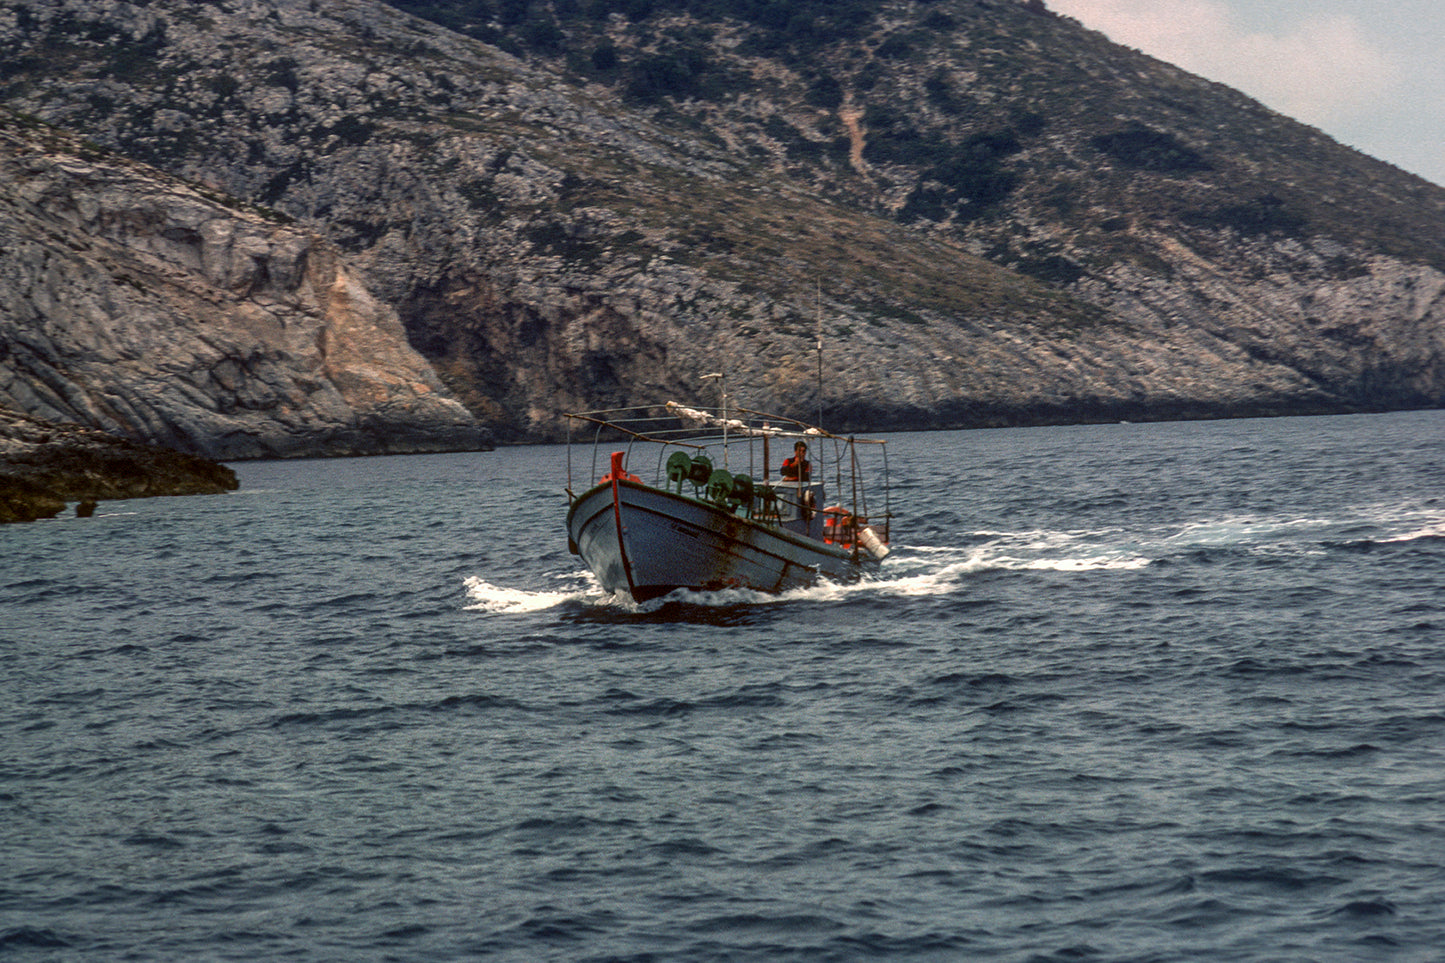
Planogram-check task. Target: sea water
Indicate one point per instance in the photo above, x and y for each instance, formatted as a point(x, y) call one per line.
point(1127, 692)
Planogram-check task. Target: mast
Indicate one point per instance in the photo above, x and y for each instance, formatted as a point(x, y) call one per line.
point(820, 353)
point(721, 376)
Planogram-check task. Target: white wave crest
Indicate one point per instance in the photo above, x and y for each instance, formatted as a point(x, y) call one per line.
point(1095, 563)
point(1428, 531)
point(498, 600)
point(1057, 551)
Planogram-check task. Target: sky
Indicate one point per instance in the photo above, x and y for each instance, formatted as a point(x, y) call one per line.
point(1369, 73)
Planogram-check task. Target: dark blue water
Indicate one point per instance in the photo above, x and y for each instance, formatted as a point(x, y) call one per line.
point(1134, 692)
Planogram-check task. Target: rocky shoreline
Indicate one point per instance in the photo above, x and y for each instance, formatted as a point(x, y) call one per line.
point(44, 466)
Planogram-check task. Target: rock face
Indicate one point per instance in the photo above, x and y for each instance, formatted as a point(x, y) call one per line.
point(136, 304)
point(992, 216)
point(44, 465)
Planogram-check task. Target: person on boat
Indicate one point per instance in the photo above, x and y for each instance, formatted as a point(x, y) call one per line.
point(797, 468)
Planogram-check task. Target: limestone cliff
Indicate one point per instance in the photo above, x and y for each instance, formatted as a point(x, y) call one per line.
point(998, 216)
point(151, 309)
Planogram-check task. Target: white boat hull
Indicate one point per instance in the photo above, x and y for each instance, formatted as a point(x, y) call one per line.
point(646, 542)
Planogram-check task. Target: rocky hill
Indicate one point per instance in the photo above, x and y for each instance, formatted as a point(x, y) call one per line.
point(160, 312)
point(998, 216)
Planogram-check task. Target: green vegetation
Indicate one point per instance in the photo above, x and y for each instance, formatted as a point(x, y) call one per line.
point(1151, 150)
point(789, 28)
point(480, 196)
point(1264, 214)
point(557, 239)
point(133, 59)
point(679, 72)
point(282, 73)
point(962, 180)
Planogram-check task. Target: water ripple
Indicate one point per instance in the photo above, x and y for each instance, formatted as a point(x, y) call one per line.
point(1131, 693)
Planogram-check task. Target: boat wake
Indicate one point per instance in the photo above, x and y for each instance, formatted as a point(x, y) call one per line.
point(914, 572)
point(499, 600)
point(586, 594)
point(911, 572)
point(1428, 529)
point(917, 571)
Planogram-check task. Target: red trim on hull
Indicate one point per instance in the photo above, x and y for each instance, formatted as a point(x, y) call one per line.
point(617, 475)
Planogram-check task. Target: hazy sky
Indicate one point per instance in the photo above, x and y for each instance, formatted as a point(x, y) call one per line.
point(1370, 73)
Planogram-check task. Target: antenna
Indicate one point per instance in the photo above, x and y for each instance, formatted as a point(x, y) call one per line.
point(820, 352)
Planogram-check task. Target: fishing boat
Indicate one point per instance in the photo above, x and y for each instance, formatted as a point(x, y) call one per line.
point(685, 498)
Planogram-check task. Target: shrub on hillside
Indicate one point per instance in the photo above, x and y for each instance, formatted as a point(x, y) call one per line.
point(1151, 150)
